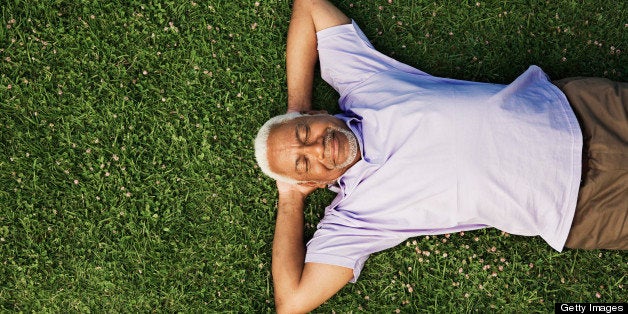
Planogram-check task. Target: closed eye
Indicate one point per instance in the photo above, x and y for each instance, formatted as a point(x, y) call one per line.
point(302, 133)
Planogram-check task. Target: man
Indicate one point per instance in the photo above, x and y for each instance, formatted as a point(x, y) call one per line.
point(414, 154)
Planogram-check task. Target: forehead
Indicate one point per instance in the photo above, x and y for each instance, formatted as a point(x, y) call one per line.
point(281, 139)
point(282, 133)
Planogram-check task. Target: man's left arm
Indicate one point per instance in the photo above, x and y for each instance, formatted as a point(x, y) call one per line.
point(299, 287)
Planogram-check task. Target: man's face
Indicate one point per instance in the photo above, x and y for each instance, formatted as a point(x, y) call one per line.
point(316, 148)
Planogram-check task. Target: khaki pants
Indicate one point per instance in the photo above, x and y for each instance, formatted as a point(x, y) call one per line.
point(601, 219)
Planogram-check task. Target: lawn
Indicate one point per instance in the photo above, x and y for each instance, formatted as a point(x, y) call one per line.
point(127, 177)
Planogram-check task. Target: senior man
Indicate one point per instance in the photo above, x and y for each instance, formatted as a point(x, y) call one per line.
point(413, 154)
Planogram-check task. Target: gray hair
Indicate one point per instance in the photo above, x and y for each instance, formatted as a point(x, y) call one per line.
point(261, 145)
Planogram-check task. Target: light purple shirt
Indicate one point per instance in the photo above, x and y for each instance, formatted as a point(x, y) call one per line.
point(442, 155)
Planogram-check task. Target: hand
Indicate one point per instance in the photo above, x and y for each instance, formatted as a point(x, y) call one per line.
point(303, 189)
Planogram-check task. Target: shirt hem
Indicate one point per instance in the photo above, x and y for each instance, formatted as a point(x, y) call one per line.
point(336, 261)
point(564, 226)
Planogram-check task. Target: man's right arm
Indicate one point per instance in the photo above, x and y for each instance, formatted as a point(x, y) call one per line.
point(308, 17)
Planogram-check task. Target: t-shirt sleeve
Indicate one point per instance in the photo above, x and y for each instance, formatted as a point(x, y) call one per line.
point(347, 58)
point(341, 245)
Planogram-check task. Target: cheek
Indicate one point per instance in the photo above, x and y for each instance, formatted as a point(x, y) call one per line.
point(331, 175)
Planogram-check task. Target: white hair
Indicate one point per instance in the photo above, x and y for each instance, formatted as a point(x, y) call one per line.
point(261, 145)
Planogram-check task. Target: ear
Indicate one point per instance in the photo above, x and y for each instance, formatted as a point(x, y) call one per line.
point(314, 112)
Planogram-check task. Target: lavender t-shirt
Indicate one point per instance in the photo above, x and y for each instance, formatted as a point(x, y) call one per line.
point(442, 155)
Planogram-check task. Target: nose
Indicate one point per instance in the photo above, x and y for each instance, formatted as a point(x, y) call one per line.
point(314, 149)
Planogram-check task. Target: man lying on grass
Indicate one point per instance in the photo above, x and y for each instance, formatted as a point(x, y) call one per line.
point(413, 154)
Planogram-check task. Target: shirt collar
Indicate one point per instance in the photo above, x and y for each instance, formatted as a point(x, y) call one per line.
point(347, 182)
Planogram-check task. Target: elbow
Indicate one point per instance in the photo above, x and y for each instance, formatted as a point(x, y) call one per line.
point(289, 306)
point(288, 309)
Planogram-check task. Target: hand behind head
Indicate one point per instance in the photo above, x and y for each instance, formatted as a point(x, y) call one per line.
point(304, 189)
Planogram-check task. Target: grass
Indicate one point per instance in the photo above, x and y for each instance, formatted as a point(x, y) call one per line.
point(127, 180)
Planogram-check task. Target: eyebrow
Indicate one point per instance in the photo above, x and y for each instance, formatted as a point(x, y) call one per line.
point(303, 127)
point(296, 166)
point(296, 136)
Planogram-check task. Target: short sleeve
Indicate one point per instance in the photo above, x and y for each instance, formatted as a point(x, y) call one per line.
point(347, 58)
point(341, 245)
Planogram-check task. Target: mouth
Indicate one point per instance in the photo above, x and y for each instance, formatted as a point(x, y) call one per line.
point(336, 147)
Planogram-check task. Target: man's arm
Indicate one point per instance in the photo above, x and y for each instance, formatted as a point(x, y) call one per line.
point(299, 287)
point(308, 17)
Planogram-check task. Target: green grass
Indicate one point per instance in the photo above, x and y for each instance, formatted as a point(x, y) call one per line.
point(127, 180)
